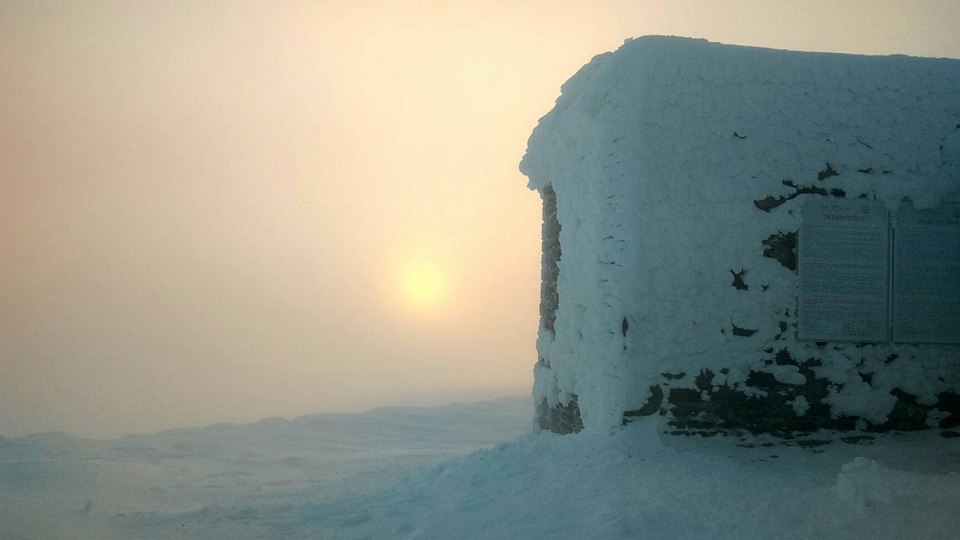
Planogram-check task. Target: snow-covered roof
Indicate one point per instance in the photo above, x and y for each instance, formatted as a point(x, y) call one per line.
point(668, 102)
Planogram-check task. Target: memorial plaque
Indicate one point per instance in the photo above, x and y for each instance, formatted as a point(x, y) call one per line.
point(926, 275)
point(843, 255)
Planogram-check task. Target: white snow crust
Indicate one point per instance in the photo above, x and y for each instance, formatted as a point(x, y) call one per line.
point(657, 152)
point(409, 474)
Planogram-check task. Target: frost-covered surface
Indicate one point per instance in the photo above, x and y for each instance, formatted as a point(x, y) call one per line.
point(260, 480)
point(662, 155)
point(390, 474)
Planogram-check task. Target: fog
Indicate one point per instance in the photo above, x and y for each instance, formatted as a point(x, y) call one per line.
point(210, 212)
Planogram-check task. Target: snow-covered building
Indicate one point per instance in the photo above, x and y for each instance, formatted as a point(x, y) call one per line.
point(721, 246)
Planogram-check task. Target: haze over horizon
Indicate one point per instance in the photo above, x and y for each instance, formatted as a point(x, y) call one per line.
point(224, 212)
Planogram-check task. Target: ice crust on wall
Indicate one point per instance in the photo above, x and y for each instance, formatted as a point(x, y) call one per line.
point(661, 155)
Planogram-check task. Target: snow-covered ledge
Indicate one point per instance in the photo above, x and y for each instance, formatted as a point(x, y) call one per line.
point(673, 173)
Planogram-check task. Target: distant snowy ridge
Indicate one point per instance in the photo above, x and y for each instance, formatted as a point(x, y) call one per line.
point(142, 486)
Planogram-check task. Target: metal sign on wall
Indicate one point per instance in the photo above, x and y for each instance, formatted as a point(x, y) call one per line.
point(926, 275)
point(862, 280)
point(844, 261)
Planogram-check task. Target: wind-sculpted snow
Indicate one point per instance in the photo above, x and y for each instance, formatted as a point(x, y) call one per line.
point(227, 480)
point(406, 473)
point(628, 485)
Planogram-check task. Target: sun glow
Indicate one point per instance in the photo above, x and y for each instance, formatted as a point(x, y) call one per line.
point(423, 285)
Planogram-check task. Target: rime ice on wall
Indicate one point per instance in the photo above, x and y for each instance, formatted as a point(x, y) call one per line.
point(679, 168)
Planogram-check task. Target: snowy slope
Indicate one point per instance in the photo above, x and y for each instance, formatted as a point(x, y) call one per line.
point(628, 485)
point(208, 479)
point(403, 473)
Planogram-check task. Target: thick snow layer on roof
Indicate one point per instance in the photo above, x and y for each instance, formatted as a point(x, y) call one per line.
point(657, 153)
point(690, 104)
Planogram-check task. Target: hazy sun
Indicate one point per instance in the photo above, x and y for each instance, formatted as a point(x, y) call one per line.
point(423, 284)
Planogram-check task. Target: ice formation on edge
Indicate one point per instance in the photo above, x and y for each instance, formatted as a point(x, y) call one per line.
point(672, 173)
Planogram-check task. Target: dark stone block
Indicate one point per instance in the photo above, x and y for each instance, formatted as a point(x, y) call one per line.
point(724, 408)
point(652, 405)
point(743, 332)
point(826, 173)
point(907, 414)
point(949, 402)
point(782, 247)
point(562, 419)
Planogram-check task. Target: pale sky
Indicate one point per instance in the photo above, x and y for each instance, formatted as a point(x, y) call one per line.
point(222, 211)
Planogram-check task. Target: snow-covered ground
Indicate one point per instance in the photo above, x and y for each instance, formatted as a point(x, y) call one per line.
point(410, 473)
point(269, 479)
